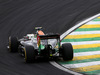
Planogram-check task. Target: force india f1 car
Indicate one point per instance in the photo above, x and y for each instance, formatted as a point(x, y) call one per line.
point(43, 45)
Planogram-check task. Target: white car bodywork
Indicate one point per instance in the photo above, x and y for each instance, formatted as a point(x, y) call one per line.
point(30, 39)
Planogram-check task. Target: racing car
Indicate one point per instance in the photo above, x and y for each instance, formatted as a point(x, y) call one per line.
point(33, 46)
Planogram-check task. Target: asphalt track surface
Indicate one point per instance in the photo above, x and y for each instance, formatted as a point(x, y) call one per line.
point(19, 17)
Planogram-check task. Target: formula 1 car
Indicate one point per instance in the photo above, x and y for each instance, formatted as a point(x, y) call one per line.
point(43, 45)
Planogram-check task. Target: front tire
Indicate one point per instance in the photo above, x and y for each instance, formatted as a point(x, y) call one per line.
point(13, 44)
point(67, 51)
point(29, 54)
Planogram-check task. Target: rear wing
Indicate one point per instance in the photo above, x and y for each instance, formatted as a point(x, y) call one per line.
point(48, 36)
point(51, 36)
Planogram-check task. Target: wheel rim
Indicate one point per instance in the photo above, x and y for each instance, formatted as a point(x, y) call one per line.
point(10, 44)
point(25, 54)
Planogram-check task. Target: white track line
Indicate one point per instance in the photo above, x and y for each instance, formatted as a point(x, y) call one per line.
point(65, 34)
point(92, 23)
point(85, 32)
point(64, 69)
point(78, 65)
point(86, 53)
point(84, 42)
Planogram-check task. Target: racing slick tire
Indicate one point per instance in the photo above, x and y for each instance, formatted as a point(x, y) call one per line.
point(13, 44)
point(29, 54)
point(67, 51)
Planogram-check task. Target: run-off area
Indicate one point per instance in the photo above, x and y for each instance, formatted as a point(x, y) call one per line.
point(86, 45)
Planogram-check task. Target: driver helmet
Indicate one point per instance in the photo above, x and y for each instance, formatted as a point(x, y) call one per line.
point(40, 32)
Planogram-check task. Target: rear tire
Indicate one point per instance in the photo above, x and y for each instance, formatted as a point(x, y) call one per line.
point(67, 51)
point(13, 44)
point(29, 54)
